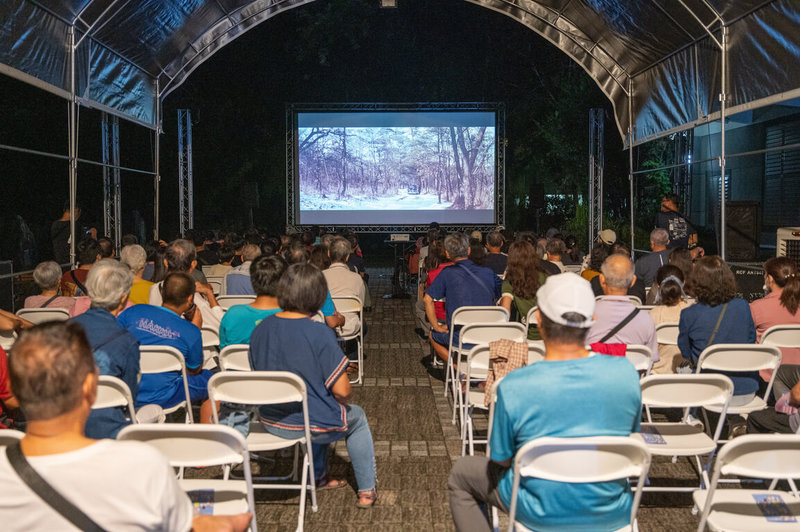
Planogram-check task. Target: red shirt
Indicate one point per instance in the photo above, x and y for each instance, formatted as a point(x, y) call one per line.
point(5, 391)
point(441, 315)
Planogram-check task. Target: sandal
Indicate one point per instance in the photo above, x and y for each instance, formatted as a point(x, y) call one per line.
point(369, 496)
point(326, 484)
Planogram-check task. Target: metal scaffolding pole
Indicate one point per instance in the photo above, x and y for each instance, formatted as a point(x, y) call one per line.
point(723, 96)
point(630, 164)
point(157, 164)
point(72, 136)
point(112, 190)
point(185, 181)
point(596, 166)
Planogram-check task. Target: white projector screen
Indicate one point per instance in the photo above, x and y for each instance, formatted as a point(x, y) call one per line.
point(395, 167)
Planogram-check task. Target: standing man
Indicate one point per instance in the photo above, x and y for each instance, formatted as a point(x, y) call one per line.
point(681, 233)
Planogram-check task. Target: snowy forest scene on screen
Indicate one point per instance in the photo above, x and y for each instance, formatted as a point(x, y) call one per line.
point(397, 168)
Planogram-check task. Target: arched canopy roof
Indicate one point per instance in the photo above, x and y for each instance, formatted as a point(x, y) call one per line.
point(664, 54)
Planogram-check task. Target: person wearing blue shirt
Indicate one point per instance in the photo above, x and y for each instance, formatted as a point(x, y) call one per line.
point(571, 393)
point(462, 284)
point(240, 320)
point(237, 281)
point(176, 324)
point(116, 351)
point(334, 318)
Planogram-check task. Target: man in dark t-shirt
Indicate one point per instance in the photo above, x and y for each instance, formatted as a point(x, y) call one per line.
point(681, 232)
point(495, 260)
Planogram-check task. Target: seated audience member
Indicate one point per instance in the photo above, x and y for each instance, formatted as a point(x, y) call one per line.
point(134, 257)
point(8, 402)
point(549, 399)
point(495, 260)
point(784, 417)
point(648, 265)
point(300, 255)
point(47, 276)
point(290, 341)
point(106, 247)
point(462, 284)
point(86, 253)
point(780, 306)
point(539, 245)
point(573, 255)
point(476, 236)
point(319, 257)
point(180, 257)
point(237, 280)
point(118, 485)
point(129, 240)
point(636, 289)
point(524, 276)
point(681, 258)
point(240, 320)
point(116, 351)
point(555, 252)
point(236, 242)
point(618, 320)
point(718, 317)
point(670, 300)
point(477, 252)
point(226, 254)
point(356, 259)
point(343, 282)
point(599, 253)
point(153, 248)
point(176, 323)
point(434, 263)
point(205, 256)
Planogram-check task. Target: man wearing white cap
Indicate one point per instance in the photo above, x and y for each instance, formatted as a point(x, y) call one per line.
point(571, 393)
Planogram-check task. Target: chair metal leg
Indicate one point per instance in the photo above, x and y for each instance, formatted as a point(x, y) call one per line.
point(303, 489)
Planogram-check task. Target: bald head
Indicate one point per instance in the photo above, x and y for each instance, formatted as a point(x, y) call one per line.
point(617, 274)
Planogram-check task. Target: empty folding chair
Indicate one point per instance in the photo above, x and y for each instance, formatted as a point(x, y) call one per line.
point(235, 357)
point(227, 302)
point(633, 299)
point(352, 305)
point(41, 315)
point(203, 446)
point(270, 388)
point(667, 333)
point(10, 437)
point(762, 456)
point(216, 282)
point(641, 357)
point(113, 392)
point(580, 460)
point(161, 359)
point(683, 438)
point(530, 319)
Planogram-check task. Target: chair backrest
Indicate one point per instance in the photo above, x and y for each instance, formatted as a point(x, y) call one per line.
point(574, 268)
point(10, 437)
point(646, 308)
point(535, 351)
point(206, 268)
point(7, 339)
point(580, 460)
point(227, 302)
point(782, 336)
point(641, 357)
point(257, 388)
point(634, 299)
point(686, 390)
point(210, 336)
point(530, 319)
point(483, 333)
point(41, 315)
point(196, 445)
point(477, 365)
point(465, 315)
point(112, 392)
point(162, 358)
point(235, 357)
point(216, 282)
point(667, 333)
point(319, 317)
point(347, 303)
point(741, 357)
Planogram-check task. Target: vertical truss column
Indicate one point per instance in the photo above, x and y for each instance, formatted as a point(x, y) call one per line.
point(596, 166)
point(185, 182)
point(112, 190)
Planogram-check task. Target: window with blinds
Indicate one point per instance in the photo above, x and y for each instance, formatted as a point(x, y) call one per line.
point(782, 176)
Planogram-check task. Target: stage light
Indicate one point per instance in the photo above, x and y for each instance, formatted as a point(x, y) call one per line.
point(388, 3)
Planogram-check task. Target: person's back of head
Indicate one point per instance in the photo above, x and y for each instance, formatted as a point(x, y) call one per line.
point(106, 247)
point(297, 254)
point(353, 239)
point(108, 284)
point(617, 274)
point(48, 369)
point(659, 238)
point(784, 273)
point(339, 249)
point(528, 236)
point(436, 255)
point(226, 254)
point(195, 237)
point(250, 252)
point(302, 288)
point(176, 288)
point(180, 255)
point(129, 240)
point(712, 282)
point(599, 254)
point(134, 257)
point(319, 257)
point(457, 245)
point(555, 249)
point(566, 310)
point(47, 275)
point(87, 251)
point(326, 240)
point(265, 272)
point(253, 237)
point(233, 240)
point(476, 235)
point(494, 241)
point(307, 238)
point(523, 269)
point(477, 253)
point(670, 280)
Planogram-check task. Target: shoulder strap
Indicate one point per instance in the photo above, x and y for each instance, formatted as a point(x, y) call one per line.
point(47, 493)
point(716, 327)
point(49, 301)
point(480, 282)
point(620, 325)
point(78, 283)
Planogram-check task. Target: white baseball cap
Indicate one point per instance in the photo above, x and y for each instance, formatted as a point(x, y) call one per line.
point(608, 236)
point(566, 292)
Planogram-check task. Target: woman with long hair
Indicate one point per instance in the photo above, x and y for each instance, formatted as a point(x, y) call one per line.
point(670, 300)
point(524, 276)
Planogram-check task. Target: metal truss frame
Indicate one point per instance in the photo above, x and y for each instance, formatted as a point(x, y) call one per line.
point(292, 158)
point(596, 167)
point(185, 179)
point(112, 189)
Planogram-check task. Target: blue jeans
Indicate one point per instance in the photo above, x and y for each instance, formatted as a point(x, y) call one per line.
point(358, 439)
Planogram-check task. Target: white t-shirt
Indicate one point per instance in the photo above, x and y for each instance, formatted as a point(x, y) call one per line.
point(212, 316)
point(120, 485)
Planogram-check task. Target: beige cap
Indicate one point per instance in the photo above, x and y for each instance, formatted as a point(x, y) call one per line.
point(608, 236)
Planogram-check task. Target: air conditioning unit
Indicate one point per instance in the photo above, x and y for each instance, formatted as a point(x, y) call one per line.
point(789, 243)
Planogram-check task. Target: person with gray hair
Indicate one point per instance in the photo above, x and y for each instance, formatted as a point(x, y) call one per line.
point(462, 284)
point(47, 276)
point(116, 351)
point(619, 321)
point(135, 257)
point(344, 282)
point(648, 265)
point(237, 280)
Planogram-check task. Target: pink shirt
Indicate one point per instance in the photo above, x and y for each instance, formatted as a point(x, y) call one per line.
point(767, 312)
point(59, 302)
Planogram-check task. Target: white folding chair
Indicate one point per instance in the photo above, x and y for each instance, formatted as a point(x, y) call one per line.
point(633, 299)
point(683, 438)
point(481, 334)
point(235, 357)
point(113, 392)
point(463, 316)
point(216, 282)
point(646, 308)
point(530, 319)
point(203, 446)
point(227, 302)
point(270, 388)
point(574, 268)
point(10, 437)
point(7, 339)
point(580, 460)
point(353, 305)
point(161, 359)
point(667, 333)
point(762, 456)
point(41, 315)
point(535, 351)
point(206, 268)
point(782, 336)
point(641, 357)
